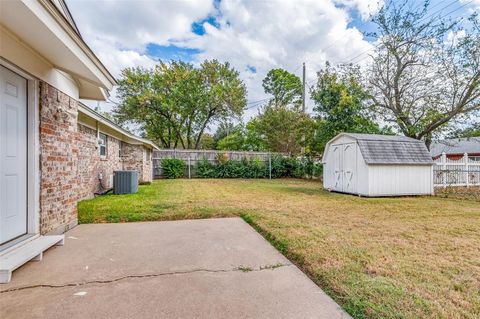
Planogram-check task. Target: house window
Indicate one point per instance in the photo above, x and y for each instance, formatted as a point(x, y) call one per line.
point(102, 141)
point(120, 144)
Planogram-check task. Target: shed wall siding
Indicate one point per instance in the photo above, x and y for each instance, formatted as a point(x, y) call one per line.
point(362, 174)
point(385, 180)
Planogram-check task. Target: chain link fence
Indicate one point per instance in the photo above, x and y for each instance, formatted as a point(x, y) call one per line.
point(267, 161)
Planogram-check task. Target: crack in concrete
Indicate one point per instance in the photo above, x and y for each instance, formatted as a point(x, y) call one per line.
point(80, 284)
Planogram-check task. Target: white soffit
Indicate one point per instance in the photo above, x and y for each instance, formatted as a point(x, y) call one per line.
point(36, 23)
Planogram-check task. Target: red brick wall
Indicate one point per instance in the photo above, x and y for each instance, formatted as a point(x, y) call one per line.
point(135, 158)
point(58, 160)
point(70, 162)
point(91, 164)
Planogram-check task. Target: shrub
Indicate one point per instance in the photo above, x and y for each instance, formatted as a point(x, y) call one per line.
point(318, 170)
point(255, 168)
point(230, 169)
point(173, 168)
point(284, 166)
point(205, 169)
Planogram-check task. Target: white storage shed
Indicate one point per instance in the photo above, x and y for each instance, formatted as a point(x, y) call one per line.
point(377, 165)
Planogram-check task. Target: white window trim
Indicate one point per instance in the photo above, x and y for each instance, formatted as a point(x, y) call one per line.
point(104, 145)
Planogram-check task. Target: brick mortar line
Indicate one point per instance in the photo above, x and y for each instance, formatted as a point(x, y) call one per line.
point(240, 268)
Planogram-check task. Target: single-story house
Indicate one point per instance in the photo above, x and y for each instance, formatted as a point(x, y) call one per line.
point(456, 148)
point(54, 151)
point(377, 165)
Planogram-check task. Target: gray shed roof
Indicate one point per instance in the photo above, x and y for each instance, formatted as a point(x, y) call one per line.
point(387, 149)
point(469, 145)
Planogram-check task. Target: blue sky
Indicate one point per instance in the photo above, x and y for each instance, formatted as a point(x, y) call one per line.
point(182, 51)
point(254, 36)
point(171, 52)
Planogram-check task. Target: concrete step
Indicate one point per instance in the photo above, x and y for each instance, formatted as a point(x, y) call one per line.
point(30, 251)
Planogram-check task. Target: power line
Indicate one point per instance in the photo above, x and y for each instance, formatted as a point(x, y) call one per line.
point(254, 102)
point(424, 18)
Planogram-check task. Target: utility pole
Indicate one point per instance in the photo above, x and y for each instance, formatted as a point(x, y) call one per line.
point(303, 89)
point(303, 105)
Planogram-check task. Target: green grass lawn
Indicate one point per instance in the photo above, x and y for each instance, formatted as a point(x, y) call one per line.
point(411, 257)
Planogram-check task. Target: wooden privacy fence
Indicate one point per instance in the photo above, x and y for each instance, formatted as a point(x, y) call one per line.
point(462, 172)
point(192, 157)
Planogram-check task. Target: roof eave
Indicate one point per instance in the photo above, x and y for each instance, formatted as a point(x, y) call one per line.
point(82, 108)
point(75, 35)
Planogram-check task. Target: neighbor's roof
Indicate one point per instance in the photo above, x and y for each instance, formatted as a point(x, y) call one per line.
point(388, 149)
point(469, 145)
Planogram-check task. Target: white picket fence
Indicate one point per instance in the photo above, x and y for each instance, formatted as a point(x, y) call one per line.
point(462, 172)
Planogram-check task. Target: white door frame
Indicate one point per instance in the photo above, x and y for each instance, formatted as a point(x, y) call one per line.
point(33, 149)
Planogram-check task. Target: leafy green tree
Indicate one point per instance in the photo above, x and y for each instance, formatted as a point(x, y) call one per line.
point(285, 87)
point(235, 141)
point(242, 138)
point(175, 103)
point(207, 142)
point(283, 129)
point(253, 139)
point(224, 129)
point(341, 105)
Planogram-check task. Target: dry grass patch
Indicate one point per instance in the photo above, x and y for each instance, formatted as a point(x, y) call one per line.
point(462, 193)
point(411, 257)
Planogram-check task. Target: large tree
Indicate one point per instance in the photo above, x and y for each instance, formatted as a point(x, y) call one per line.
point(243, 138)
point(174, 103)
point(284, 129)
point(285, 88)
point(341, 104)
point(425, 70)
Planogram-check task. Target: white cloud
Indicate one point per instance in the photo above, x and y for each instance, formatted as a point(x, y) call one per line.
point(279, 34)
point(262, 34)
point(132, 24)
point(364, 7)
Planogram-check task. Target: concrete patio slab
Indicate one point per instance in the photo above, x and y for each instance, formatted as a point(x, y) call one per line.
point(213, 268)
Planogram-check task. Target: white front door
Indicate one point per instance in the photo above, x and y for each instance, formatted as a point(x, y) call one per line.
point(13, 155)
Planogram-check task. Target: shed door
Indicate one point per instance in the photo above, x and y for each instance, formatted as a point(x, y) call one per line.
point(337, 167)
point(13, 155)
point(349, 168)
